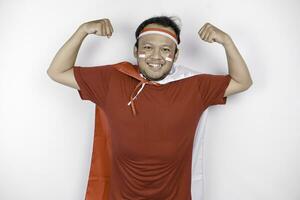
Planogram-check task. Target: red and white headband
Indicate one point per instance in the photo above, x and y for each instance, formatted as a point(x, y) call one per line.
point(164, 32)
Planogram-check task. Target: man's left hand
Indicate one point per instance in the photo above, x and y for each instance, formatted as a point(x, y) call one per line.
point(210, 33)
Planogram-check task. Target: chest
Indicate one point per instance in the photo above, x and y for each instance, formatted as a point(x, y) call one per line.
point(160, 109)
point(167, 117)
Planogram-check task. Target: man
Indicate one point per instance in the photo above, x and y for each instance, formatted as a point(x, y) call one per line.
point(152, 123)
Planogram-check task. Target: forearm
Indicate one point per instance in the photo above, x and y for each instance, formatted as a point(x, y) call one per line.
point(66, 56)
point(236, 65)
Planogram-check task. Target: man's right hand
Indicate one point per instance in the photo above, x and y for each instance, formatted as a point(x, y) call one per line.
point(101, 27)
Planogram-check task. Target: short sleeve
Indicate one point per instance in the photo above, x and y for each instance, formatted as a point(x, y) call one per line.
point(93, 82)
point(212, 88)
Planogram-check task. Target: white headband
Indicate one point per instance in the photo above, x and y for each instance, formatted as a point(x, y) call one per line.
point(159, 31)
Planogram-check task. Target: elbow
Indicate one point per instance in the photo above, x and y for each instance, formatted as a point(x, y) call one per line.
point(49, 70)
point(248, 84)
point(49, 73)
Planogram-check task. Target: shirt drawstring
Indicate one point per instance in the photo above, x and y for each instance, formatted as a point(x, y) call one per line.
point(131, 103)
point(142, 84)
point(137, 93)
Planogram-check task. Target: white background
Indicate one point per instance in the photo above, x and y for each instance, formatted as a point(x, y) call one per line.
point(46, 130)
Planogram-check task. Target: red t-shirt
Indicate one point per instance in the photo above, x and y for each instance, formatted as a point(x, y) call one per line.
point(152, 151)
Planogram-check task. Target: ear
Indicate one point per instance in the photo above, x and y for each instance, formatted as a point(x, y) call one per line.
point(176, 55)
point(135, 51)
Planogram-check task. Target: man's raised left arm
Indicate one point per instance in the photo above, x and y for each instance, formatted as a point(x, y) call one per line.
point(241, 79)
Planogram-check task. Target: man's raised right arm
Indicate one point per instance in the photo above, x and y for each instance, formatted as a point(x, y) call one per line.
point(61, 67)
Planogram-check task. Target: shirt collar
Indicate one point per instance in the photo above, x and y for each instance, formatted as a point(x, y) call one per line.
point(167, 79)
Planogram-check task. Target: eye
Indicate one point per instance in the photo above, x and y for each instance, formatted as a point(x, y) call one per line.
point(166, 49)
point(147, 47)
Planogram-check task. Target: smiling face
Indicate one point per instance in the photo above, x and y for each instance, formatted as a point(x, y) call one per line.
point(154, 53)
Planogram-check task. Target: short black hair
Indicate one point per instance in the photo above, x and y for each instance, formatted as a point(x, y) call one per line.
point(160, 20)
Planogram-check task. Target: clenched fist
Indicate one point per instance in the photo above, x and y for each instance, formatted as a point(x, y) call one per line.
point(101, 27)
point(210, 33)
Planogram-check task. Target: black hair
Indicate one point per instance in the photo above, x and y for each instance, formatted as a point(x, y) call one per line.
point(160, 20)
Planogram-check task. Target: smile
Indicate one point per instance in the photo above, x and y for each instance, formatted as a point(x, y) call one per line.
point(155, 65)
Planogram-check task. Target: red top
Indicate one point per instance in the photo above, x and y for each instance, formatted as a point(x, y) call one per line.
point(152, 150)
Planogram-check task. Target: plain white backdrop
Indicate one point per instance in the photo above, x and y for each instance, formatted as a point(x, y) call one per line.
point(252, 149)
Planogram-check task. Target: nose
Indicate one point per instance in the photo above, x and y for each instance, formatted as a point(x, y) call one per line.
point(156, 54)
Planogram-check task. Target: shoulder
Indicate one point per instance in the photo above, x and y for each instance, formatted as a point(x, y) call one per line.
point(104, 67)
point(205, 78)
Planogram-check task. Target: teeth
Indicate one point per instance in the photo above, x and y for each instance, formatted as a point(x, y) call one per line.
point(155, 65)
